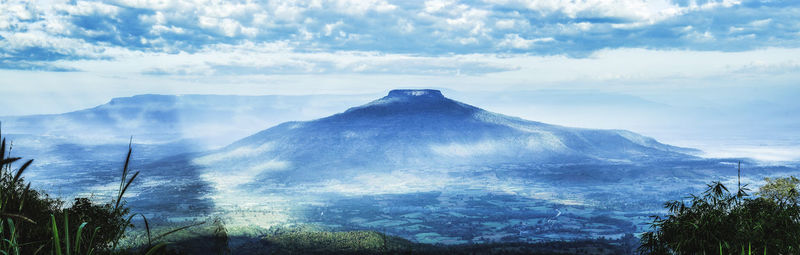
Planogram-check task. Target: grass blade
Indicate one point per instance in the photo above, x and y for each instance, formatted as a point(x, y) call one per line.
point(24, 194)
point(122, 192)
point(122, 231)
point(147, 227)
point(125, 167)
point(66, 232)
point(91, 241)
point(22, 169)
point(177, 229)
point(3, 149)
point(18, 217)
point(6, 161)
point(156, 248)
point(13, 239)
point(78, 237)
point(56, 240)
point(39, 249)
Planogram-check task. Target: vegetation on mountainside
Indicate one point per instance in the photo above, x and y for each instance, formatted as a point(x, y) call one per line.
point(304, 240)
point(722, 222)
point(717, 221)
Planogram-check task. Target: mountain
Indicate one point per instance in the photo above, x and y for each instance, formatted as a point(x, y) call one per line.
point(210, 119)
point(420, 129)
point(413, 163)
point(78, 152)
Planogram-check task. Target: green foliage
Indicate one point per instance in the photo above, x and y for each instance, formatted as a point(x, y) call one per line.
point(29, 222)
point(359, 242)
point(106, 223)
point(24, 212)
point(718, 221)
point(782, 190)
point(305, 240)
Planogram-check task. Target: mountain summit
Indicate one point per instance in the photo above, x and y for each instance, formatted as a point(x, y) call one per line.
point(415, 93)
point(411, 101)
point(421, 129)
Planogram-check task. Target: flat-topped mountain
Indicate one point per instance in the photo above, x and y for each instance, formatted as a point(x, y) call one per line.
point(410, 129)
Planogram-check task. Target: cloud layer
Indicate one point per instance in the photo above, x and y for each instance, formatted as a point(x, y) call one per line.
point(49, 35)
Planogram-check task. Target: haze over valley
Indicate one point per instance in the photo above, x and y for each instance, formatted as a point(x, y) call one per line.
point(413, 163)
point(384, 126)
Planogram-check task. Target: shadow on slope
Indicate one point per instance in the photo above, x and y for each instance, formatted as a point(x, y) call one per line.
point(172, 187)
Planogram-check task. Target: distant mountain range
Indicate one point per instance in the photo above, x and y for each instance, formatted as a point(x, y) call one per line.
point(414, 162)
point(421, 129)
point(213, 120)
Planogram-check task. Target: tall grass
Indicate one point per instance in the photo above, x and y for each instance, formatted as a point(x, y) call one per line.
point(29, 219)
point(9, 196)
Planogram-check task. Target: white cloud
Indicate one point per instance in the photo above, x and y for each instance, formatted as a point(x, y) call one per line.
point(19, 12)
point(468, 150)
point(396, 182)
point(272, 165)
point(225, 26)
point(760, 23)
point(329, 28)
point(405, 25)
point(639, 10)
point(436, 26)
point(517, 42)
point(436, 42)
point(505, 23)
point(89, 8)
point(285, 11)
point(433, 6)
point(240, 153)
point(161, 29)
point(360, 7)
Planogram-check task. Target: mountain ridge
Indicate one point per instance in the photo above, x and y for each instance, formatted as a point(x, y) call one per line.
point(213, 120)
point(421, 129)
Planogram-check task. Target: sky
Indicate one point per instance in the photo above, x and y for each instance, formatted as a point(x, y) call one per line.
point(58, 56)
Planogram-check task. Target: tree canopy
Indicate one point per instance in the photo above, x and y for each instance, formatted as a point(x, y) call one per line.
point(719, 221)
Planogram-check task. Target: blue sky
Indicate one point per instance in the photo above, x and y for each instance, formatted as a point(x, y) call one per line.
point(58, 56)
point(733, 66)
point(254, 41)
point(80, 53)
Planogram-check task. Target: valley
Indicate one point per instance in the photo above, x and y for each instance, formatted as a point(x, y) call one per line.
point(413, 164)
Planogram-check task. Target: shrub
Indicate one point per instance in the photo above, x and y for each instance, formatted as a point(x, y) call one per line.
point(110, 223)
point(32, 222)
point(719, 221)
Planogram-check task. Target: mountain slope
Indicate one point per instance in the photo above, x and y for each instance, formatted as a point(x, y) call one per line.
point(214, 119)
point(419, 129)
